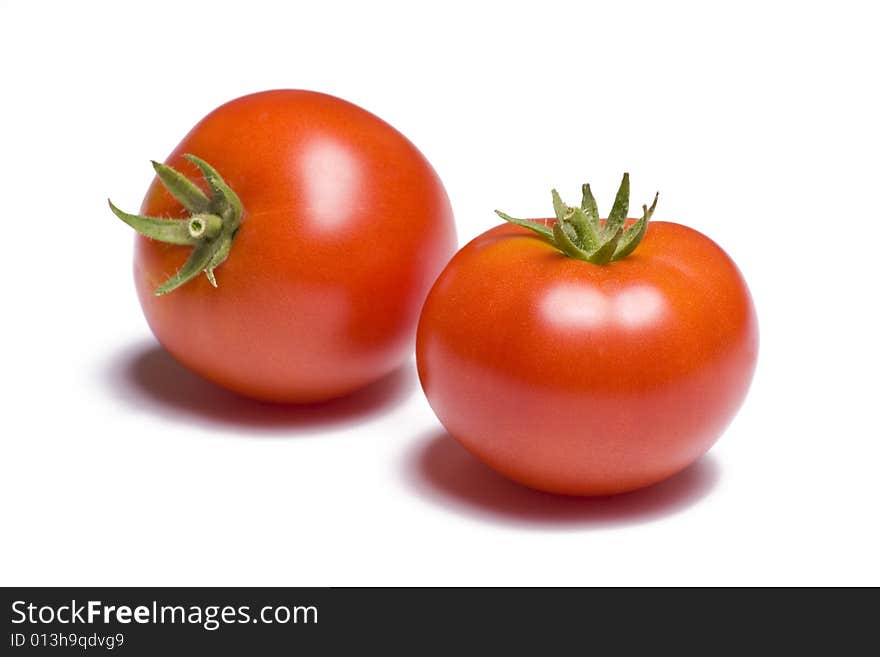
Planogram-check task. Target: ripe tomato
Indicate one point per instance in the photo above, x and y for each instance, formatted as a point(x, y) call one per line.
point(343, 229)
point(581, 378)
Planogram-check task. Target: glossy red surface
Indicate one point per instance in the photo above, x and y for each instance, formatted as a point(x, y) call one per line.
point(345, 227)
point(584, 379)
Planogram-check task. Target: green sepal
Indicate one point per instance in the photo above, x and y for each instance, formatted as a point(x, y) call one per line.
point(186, 192)
point(588, 205)
point(634, 234)
point(565, 244)
point(196, 263)
point(222, 194)
point(224, 245)
point(170, 231)
point(542, 229)
point(587, 234)
point(559, 208)
point(605, 253)
point(617, 216)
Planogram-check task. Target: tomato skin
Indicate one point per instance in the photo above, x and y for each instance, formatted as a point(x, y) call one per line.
point(587, 379)
point(345, 227)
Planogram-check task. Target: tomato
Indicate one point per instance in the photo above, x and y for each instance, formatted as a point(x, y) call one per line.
point(344, 226)
point(588, 379)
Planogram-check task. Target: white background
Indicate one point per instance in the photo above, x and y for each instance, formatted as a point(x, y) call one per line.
point(758, 124)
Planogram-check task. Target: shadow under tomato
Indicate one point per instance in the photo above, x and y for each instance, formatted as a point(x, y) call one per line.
point(149, 379)
point(445, 473)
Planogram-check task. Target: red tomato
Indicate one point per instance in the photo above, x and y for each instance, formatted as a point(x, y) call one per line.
point(345, 226)
point(586, 379)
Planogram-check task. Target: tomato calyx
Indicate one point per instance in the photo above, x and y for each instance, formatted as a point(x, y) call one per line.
point(579, 233)
point(210, 229)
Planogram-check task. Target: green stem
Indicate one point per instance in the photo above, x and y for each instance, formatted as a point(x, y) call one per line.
point(205, 226)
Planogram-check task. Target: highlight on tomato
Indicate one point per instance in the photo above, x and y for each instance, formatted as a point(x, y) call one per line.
point(584, 356)
point(286, 245)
